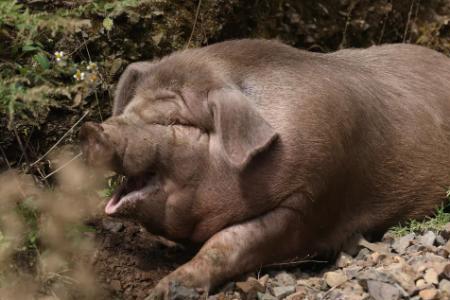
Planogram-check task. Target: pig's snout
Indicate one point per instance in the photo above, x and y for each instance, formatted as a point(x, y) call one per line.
point(97, 146)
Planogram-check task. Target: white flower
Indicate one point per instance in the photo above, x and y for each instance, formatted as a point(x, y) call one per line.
point(92, 66)
point(79, 76)
point(59, 55)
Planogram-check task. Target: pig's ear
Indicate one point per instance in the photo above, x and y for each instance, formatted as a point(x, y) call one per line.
point(241, 131)
point(126, 87)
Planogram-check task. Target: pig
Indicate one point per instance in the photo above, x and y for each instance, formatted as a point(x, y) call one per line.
point(260, 152)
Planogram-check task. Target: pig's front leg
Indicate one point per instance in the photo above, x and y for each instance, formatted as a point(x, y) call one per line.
point(272, 237)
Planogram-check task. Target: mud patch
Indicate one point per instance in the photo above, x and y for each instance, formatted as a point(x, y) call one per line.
point(129, 261)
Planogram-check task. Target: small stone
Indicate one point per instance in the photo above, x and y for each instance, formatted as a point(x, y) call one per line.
point(431, 276)
point(280, 292)
point(343, 260)
point(444, 286)
point(402, 243)
point(299, 295)
point(112, 226)
point(428, 238)
point(440, 240)
point(250, 286)
point(421, 284)
point(403, 274)
point(179, 292)
point(351, 271)
point(335, 278)
point(314, 283)
point(374, 247)
point(428, 294)
point(284, 278)
point(382, 291)
point(376, 257)
point(265, 296)
point(363, 254)
point(263, 280)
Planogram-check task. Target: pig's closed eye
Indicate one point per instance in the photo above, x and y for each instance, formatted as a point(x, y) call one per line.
point(186, 125)
point(179, 122)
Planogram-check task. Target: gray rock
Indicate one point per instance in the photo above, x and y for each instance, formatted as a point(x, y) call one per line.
point(265, 296)
point(444, 286)
point(374, 247)
point(352, 271)
point(427, 239)
point(403, 274)
point(415, 249)
point(363, 254)
point(402, 243)
point(431, 276)
point(300, 294)
point(372, 274)
point(422, 284)
point(281, 292)
point(112, 225)
point(343, 260)
point(313, 283)
point(440, 240)
point(284, 279)
point(382, 291)
point(335, 278)
point(179, 292)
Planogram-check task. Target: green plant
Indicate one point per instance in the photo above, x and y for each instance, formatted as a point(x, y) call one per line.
point(111, 185)
point(435, 223)
point(30, 216)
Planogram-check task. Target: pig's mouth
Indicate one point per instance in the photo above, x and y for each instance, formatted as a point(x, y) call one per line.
point(130, 192)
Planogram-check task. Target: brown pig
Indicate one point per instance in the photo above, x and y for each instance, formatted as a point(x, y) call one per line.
point(262, 152)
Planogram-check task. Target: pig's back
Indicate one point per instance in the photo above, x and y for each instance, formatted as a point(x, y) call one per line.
point(367, 131)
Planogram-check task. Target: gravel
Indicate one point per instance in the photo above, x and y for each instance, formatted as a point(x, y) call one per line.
point(415, 266)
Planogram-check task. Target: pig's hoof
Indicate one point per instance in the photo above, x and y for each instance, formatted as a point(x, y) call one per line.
point(174, 291)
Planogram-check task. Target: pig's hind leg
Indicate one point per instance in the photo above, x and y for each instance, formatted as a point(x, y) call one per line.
point(273, 237)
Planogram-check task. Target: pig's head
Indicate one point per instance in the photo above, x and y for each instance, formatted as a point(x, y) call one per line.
point(174, 126)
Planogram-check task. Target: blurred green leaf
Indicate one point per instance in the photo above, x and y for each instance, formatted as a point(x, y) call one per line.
point(30, 47)
point(42, 60)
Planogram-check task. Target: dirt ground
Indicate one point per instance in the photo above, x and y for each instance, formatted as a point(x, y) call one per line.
point(130, 261)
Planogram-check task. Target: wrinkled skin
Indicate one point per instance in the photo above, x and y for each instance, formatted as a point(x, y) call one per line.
point(262, 152)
